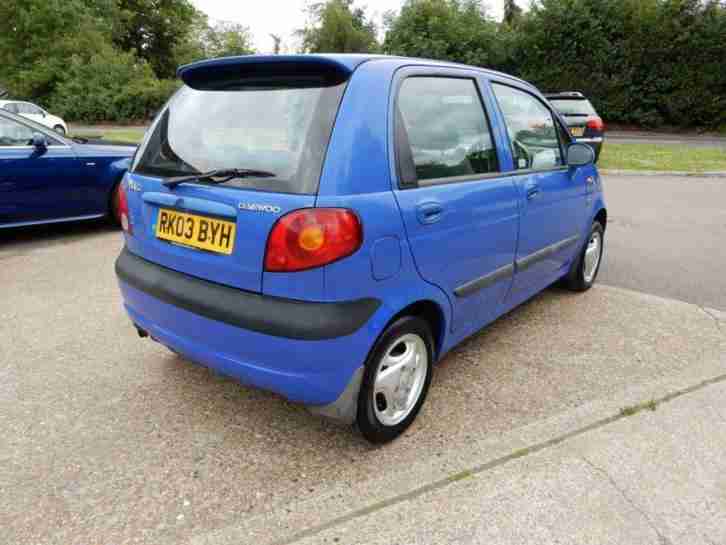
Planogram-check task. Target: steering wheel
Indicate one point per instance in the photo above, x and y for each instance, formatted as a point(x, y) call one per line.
point(523, 152)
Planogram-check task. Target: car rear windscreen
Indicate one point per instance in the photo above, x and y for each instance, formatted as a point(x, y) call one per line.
point(263, 125)
point(569, 106)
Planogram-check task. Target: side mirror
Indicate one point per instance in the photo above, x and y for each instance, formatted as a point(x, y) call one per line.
point(580, 155)
point(40, 142)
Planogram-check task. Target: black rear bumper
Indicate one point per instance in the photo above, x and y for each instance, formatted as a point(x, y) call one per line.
point(274, 316)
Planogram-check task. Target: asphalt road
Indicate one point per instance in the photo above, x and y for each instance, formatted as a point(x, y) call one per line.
point(643, 137)
point(666, 236)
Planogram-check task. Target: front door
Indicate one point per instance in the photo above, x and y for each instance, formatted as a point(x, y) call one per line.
point(553, 197)
point(36, 184)
point(460, 214)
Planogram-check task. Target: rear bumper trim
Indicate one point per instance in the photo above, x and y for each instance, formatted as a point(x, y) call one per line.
point(265, 314)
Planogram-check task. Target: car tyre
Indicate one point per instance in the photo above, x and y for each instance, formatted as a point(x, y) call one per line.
point(59, 129)
point(584, 269)
point(396, 379)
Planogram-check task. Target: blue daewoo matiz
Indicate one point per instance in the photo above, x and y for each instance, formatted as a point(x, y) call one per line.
point(328, 227)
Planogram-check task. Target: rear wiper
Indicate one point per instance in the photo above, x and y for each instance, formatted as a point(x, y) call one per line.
point(218, 176)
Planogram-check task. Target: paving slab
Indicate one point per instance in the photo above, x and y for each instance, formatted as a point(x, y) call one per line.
point(650, 478)
point(111, 439)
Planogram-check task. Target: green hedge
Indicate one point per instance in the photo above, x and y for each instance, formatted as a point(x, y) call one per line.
point(642, 62)
point(109, 87)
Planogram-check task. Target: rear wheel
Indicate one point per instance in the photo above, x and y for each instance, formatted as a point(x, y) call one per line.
point(59, 129)
point(396, 380)
point(584, 269)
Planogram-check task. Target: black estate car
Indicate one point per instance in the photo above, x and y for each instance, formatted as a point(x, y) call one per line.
point(583, 121)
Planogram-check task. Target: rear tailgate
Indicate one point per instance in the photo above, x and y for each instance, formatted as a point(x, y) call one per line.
point(272, 114)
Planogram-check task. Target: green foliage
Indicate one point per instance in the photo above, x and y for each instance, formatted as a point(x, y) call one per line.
point(227, 39)
point(337, 27)
point(154, 29)
point(642, 62)
point(38, 36)
point(106, 60)
point(109, 86)
point(455, 30)
point(512, 12)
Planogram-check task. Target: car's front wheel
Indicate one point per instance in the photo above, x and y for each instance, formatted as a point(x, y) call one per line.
point(584, 269)
point(396, 380)
point(59, 129)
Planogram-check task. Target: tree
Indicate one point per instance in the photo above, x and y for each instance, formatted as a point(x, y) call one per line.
point(154, 29)
point(277, 41)
point(337, 27)
point(453, 30)
point(512, 12)
point(227, 39)
point(34, 47)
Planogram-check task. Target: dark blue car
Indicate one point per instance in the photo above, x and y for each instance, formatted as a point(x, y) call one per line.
point(328, 227)
point(46, 177)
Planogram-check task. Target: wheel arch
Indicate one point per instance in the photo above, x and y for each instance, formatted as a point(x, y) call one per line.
point(602, 217)
point(433, 314)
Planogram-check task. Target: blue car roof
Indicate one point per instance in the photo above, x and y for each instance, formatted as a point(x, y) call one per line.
point(344, 64)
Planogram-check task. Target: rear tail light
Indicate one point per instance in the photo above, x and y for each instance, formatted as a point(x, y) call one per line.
point(312, 237)
point(123, 209)
point(596, 124)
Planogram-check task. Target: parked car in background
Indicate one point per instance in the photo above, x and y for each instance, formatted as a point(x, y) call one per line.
point(46, 177)
point(583, 121)
point(35, 113)
point(329, 226)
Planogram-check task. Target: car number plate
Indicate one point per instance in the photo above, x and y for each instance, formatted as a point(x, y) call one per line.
point(198, 232)
point(577, 131)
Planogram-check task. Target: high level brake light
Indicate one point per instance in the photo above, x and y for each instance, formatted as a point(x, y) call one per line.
point(309, 238)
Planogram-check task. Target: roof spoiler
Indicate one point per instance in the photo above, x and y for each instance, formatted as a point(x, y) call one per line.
point(294, 69)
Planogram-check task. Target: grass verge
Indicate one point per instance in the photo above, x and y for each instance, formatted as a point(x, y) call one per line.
point(662, 157)
point(131, 136)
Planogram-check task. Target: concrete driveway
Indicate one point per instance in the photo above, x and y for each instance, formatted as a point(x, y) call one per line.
point(111, 439)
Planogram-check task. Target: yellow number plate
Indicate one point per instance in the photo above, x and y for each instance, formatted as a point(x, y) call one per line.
point(577, 131)
point(196, 231)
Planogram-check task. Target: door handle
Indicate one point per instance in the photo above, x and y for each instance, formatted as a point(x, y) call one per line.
point(429, 212)
point(532, 192)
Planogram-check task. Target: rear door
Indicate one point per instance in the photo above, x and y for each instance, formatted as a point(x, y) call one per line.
point(460, 213)
point(280, 123)
point(553, 196)
point(36, 185)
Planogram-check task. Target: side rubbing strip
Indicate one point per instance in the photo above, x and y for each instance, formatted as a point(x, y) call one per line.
point(484, 281)
point(544, 253)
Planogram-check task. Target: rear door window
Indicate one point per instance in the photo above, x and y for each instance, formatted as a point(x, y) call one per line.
point(263, 126)
point(532, 129)
point(446, 128)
